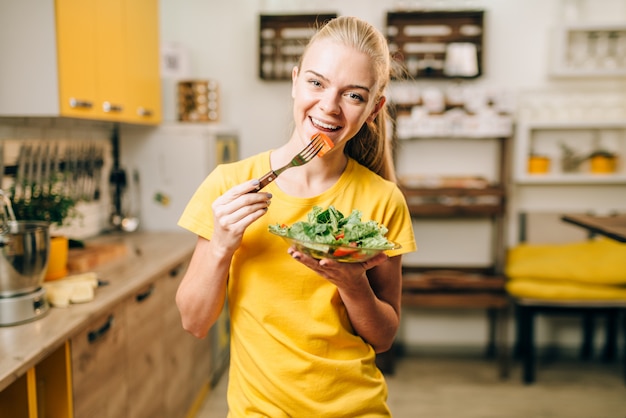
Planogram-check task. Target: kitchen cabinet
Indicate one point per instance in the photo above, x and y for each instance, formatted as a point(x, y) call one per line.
point(99, 367)
point(106, 65)
point(137, 361)
point(179, 345)
point(146, 352)
point(109, 357)
point(44, 391)
point(143, 80)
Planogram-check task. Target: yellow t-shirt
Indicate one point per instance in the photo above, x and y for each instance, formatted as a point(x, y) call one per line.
point(294, 352)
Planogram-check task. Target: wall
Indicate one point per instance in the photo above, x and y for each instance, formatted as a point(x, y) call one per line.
point(221, 39)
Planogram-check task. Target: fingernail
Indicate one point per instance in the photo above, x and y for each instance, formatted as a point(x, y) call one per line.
point(269, 195)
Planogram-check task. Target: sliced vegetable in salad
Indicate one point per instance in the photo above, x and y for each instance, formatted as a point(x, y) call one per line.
point(331, 227)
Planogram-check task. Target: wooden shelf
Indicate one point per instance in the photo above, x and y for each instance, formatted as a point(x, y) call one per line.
point(419, 40)
point(455, 201)
point(453, 289)
point(282, 39)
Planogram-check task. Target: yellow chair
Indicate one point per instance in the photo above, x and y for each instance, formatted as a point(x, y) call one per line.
point(586, 278)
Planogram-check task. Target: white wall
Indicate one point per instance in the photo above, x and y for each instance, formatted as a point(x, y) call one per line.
point(222, 41)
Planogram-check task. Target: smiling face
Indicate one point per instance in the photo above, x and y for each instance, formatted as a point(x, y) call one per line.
point(335, 91)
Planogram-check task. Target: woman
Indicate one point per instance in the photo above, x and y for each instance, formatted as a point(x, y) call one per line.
point(304, 332)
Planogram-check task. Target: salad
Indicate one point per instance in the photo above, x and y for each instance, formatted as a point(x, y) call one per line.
point(341, 235)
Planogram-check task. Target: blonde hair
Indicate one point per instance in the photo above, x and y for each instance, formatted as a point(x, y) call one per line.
point(370, 146)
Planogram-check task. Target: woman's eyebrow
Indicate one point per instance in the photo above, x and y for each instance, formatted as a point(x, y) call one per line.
point(353, 86)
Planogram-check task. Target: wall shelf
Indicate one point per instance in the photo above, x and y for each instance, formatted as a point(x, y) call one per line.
point(423, 42)
point(282, 39)
point(589, 50)
point(547, 138)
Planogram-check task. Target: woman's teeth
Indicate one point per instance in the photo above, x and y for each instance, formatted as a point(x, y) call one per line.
point(323, 125)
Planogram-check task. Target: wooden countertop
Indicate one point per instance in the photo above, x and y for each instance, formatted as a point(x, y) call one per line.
point(150, 255)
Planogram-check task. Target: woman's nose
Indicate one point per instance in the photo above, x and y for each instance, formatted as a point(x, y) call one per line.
point(329, 103)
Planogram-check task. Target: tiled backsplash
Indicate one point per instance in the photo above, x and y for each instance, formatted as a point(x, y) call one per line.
point(37, 132)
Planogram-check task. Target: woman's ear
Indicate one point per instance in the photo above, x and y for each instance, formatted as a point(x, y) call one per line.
point(379, 105)
point(294, 77)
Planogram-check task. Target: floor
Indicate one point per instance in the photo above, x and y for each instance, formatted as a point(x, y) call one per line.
point(466, 386)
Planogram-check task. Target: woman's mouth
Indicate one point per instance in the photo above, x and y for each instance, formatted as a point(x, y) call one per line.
point(321, 125)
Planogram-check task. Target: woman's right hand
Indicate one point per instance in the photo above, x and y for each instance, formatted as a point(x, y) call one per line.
point(234, 211)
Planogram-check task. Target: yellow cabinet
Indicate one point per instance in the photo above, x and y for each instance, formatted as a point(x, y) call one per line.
point(106, 65)
point(44, 391)
point(108, 59)
point(143, 82)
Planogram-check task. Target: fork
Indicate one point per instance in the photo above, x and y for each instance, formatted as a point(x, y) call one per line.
point(303, 157)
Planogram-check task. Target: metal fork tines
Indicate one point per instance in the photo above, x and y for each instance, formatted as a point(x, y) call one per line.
point(303, 157)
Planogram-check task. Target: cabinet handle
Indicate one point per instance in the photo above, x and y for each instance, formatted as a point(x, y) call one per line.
point(95, 335)
point(80, 104)
point(142, 111)
point(110, 107)
point(145, 295)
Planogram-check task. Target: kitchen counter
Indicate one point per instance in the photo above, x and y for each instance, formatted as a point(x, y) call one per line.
point(149, 255)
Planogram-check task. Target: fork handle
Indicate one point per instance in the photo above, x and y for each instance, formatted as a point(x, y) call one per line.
point(266, 179)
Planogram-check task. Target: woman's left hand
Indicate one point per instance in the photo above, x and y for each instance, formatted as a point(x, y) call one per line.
point(343, 275)
point(370, 292)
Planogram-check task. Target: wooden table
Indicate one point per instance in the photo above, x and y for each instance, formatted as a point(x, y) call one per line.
point(610, 226)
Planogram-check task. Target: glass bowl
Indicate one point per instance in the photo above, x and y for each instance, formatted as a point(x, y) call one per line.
point(341, 253)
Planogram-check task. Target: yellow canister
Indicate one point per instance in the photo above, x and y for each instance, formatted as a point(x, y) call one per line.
point(57, 263)
point(602, 164)
point(538, 164)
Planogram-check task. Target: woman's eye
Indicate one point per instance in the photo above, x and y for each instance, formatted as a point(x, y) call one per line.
point(356, 96)
point(315, 83)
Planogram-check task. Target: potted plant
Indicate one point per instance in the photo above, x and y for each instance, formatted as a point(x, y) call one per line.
point(47, 201)
point(602, 161)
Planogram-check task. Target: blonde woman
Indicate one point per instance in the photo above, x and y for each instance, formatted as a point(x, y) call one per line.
point(305, 332)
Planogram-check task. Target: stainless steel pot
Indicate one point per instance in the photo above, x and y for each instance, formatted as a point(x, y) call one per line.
point(24, 253)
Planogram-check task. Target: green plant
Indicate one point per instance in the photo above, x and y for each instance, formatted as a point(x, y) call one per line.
point(602, 153)
point(50, 203)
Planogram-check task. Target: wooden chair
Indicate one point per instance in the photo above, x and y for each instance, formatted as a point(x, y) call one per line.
point(527, 308)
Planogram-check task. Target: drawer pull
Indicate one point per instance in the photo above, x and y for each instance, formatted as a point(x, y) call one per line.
point(109, 107)
point(95, 335)
point(81, 104)
point(142, 111)
point(145, 295)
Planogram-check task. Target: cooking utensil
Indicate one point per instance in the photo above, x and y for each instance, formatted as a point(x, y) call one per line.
point(311, 150)
point(24, 251)
point(130, 221)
